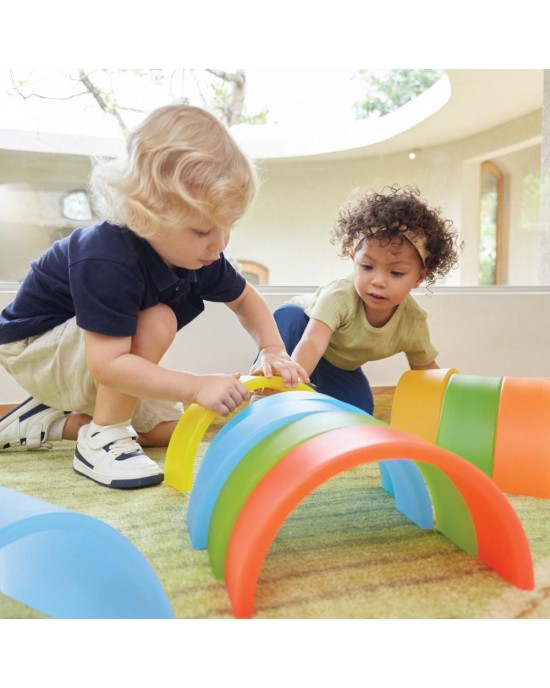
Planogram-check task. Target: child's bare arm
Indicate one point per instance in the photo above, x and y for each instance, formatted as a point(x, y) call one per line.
point(312, 345)
point(112, 364)
point(255, 316)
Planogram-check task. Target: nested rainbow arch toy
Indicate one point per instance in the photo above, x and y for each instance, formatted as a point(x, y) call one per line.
point(273, 454)
point(69, 565)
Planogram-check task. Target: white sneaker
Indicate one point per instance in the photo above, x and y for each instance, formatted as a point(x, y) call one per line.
point(112, 457)
point(29, 424)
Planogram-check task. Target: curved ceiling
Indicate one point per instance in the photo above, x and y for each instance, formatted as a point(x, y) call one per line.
point(466, 102)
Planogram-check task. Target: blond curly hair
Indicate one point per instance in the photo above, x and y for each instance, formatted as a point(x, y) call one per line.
point(180, 163)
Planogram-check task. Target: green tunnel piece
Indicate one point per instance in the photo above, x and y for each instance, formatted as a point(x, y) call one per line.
point(417, 409)
point(452, 517)
point(468, 419)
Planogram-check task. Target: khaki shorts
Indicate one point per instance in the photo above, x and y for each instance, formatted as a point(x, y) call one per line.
point(52, 368)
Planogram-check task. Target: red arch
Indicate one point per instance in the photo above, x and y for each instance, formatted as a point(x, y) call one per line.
point(502, 543)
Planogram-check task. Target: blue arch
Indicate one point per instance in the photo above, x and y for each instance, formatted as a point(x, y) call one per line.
point(258, 420)
point(71, 566)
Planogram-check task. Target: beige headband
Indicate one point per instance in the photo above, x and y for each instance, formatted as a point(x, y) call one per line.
point(419, 242)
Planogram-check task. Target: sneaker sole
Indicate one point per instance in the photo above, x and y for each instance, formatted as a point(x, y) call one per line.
point(82, 467)
point(125, 484)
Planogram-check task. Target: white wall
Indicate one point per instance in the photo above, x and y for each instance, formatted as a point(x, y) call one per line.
point(288, 227)
point(479, 332)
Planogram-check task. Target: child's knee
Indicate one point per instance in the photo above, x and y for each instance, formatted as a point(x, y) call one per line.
point(157, 326)
point(290, 311)
point(291, 321)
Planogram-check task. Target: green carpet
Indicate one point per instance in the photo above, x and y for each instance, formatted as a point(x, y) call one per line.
point(345, 552)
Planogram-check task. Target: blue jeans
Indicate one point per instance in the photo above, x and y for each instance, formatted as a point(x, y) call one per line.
point(350, 386)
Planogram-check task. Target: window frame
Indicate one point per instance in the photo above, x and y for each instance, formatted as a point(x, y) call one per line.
point(488, 166)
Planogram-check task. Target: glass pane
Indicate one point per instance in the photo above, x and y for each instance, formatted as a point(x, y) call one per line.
point(76, 206)
point(488, 228)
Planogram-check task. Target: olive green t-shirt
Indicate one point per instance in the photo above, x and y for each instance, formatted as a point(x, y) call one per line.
point(355, 341)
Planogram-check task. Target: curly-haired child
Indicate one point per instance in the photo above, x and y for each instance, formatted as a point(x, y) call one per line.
point(396, 242)
point(98, 310)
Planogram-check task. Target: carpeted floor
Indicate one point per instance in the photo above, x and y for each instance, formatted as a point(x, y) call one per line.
point(344, 553)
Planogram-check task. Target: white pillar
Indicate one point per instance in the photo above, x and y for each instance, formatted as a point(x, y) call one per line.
point(544, 255)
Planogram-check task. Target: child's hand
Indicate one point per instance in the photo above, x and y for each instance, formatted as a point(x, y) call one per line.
point(278, 362)
point(221, 393)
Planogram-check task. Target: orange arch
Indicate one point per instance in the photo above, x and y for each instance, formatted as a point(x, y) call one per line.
point(502, 543)
point(522, 443)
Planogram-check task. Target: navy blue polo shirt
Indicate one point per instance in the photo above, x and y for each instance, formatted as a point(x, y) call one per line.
point(106, 275)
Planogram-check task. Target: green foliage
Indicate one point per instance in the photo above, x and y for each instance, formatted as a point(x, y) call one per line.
point(223, 103)
point(388, 90)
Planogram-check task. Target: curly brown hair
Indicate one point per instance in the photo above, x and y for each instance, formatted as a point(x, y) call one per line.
point(384, 216)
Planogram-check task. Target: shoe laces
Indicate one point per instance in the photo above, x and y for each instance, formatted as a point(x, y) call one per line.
point(126, 445)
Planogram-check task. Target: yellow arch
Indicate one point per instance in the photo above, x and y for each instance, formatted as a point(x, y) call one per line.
point(187, 436)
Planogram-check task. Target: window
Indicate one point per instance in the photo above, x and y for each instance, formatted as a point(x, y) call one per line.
point(76, 206)
point(490, 225)
point(36, 209)
point(254, 272)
